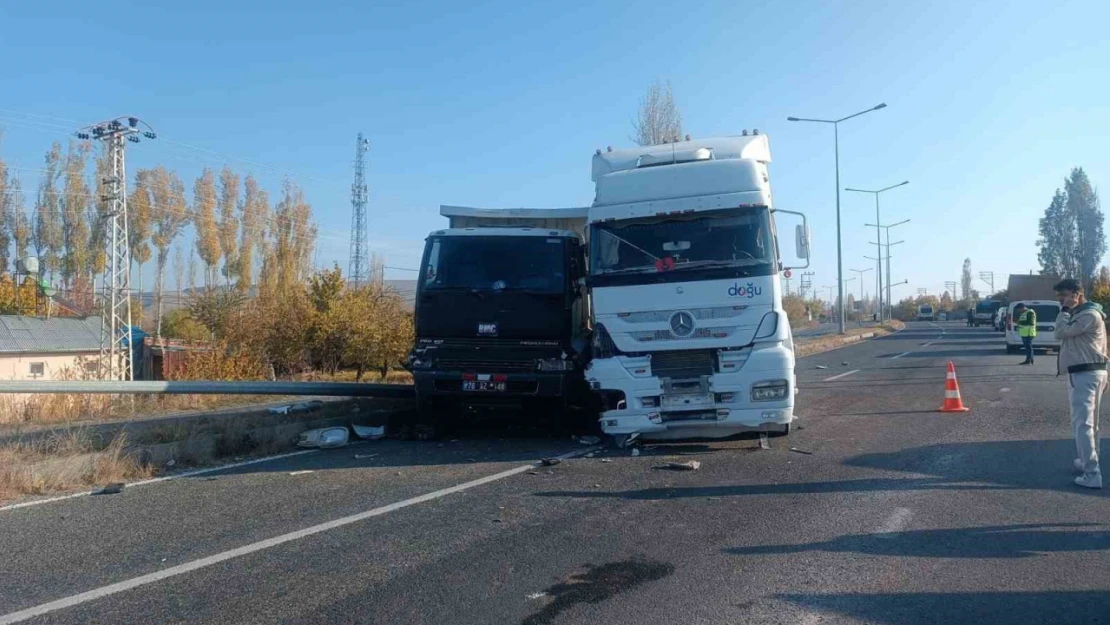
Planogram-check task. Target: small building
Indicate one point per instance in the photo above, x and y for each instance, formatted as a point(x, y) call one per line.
point(35, 348)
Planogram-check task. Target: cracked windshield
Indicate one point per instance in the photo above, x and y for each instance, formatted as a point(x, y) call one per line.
point(554, 314)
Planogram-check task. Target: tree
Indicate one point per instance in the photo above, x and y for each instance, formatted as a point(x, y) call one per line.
point(946, 302)
point(254, 209)
point(99, 211)
point(75, 206)
point(229, 222)
point(1090, 241)
point(46, 225)
point(1057, 254)
point(292, 238)
point(140, 221)
point(965, 280)
point(171, 217)
point(658, 120)
point(204, 221)
point(11, 205)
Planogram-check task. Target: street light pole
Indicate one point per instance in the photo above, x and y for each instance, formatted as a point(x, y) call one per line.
point(878, 220)
point(839, 248)
point(888, 244)
point(859, 274)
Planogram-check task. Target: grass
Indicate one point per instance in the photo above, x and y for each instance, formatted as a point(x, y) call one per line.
point(67, 461)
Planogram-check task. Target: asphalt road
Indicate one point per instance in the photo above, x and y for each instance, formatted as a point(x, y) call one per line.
point(879, 510)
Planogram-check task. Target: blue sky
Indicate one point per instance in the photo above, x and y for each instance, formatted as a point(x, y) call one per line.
point(990, 104)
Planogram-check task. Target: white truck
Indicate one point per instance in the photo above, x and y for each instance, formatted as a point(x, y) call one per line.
point(690, 336)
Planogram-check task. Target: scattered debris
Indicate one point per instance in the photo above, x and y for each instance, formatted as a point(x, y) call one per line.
point(369, 432)
point(171, 462)
point(635, 451)
point(550, 462)
point(497, 520)
point(590, 455)
point(822, 367)
point(114, 488)
point(279, 410)
point(304, 472)
point(471, 460)
point(536, 595)
point(801, 451)
point(533, 473)
point(364, 456)
point(764, 441)
point(844, 363)
point(589, 440)
point(692, 465)
point(597, 485)
point(606, 459)
point(324, 438)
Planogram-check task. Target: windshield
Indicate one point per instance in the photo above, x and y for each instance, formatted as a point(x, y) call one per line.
point(926, 309)
point(988, 307)
point(485, 263)
point(722, 238)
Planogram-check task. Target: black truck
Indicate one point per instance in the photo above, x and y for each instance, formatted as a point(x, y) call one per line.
point(501, 324)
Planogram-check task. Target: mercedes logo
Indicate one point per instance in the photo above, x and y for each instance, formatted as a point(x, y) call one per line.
point(682, 323)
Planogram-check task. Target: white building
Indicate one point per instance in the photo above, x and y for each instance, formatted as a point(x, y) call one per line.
point(33, 348)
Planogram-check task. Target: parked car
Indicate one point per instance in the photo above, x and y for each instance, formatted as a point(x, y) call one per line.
point(1047, 311)
point(1000, 319)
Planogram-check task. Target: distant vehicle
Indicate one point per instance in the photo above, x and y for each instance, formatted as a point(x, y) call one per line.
point(1000, 317)
point(984, 312)
point(1047, 311)
point(925, 312)
point(942, 316)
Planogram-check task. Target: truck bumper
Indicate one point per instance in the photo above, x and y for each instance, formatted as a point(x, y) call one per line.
point(725, 409)
point(519, 387)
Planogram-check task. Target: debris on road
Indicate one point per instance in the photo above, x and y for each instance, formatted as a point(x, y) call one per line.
point(533, 473)
point(589, 440)
point(324, 438)
point(590, 455)
point(635, 451)
point(364, 456)
point(304, 472)
point(822, 367)
point(844, 363)
point(536, 595)
point(307, 406)
point(550, 462)
point(764, 441)
point(801, 451)
point(369, 432)
point(606, 459)
point(110, 489)
point(171, 462)
point(692, 465)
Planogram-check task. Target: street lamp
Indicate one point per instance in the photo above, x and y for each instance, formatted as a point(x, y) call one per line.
point(888, 244)
point(859, 274)
point(836, 151)
point(878, 220)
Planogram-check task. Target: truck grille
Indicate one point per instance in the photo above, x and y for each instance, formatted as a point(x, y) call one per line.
point(691, 363)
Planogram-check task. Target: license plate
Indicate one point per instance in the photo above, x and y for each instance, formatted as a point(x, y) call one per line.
point(483, 386)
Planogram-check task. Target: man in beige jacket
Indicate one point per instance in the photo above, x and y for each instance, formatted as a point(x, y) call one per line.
point(1081, 328)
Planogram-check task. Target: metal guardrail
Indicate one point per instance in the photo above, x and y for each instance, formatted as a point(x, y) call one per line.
point(321, 389)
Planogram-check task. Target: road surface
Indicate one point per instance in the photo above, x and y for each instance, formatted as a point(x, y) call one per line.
point(879, 510)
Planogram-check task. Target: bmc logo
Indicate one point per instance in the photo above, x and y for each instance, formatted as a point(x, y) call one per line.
point(749, 290)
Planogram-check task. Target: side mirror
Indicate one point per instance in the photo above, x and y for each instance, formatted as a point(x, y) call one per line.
point(801, 236)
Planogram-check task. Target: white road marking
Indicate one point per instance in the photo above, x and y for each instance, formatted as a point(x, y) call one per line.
point(896, 522)
point(188, 567)
point(164, 478)
point(842, 375)
point(900, 355)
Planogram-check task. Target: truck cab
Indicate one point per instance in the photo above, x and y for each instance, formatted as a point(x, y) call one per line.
point(925, 312)
point(690, 337)
point(501, 322)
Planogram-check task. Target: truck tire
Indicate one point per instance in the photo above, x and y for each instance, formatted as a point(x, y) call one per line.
point(431, 422)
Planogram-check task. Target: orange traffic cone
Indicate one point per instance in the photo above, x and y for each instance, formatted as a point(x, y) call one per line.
point(952, 401)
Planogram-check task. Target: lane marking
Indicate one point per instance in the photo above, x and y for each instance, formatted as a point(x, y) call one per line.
point(900, 355)
point(842, 375)
point(188, 567)
point(164, 478)
point(896, 522)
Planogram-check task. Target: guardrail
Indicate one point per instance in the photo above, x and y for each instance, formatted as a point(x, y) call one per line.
point(321, 389)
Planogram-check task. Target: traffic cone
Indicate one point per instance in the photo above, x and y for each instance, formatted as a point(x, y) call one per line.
point(952, 401)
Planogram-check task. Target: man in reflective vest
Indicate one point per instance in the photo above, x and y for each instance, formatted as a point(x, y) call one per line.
point(1027, 329)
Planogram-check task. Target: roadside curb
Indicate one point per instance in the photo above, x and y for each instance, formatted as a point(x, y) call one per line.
point(846, 341)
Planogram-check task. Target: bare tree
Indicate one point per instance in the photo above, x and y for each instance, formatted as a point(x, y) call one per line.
point(658, 120)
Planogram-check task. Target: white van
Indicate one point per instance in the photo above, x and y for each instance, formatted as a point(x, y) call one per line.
point(1047, 311)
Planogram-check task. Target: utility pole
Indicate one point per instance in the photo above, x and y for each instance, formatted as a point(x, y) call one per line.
point(115, 321)
point(358, 268)
point(988, 277)
point(806, 283)
point(859, 274)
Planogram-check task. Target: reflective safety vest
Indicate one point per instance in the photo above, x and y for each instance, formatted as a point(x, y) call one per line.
point(1027, 323)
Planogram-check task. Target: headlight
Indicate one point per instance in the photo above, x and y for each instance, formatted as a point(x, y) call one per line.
point(770, 390)
point(555, 364)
